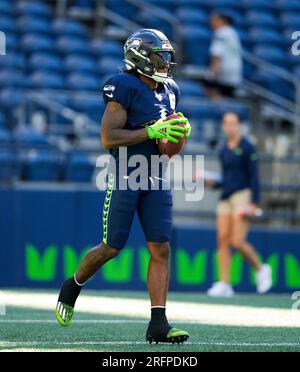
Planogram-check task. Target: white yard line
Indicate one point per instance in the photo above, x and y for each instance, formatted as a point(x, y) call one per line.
point(133, 343)
point(211, 314)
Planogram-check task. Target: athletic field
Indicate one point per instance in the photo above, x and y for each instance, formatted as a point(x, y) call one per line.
point(117, 321)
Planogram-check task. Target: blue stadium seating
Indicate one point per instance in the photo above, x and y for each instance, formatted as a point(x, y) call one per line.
point(93, 108)
point(190, 17)
point(196, 41)
point(37, 9)
point(69, 44)
point(27, 137)
point(10, 98)
point(32, 43)
point(85, 4)
point(265, 36)
point(151, 21)
point(82, 82)
point(274, 84)
point(2, 120)
point(261, 19)
point(33, 25)
point(50, 53)
point(6, 8)
point(190, 88)
point(259, 5)
point(7, 24)
point(291, 21)
point(69, 28)
point(9, 165)
point(106, 48)
point(74, 63)
point(45, 62)
point(80, 168)
point(276, 56)
point(42, 166)
point(5, 136)
point(46, 80)
point(109, 66)
point(12, 78)
point(122, 8)
point(289, 5)
point(12, 60)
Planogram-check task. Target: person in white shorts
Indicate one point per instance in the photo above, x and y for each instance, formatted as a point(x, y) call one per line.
point(240, 199)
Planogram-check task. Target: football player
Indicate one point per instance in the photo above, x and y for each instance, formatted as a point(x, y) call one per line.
point(138, 101)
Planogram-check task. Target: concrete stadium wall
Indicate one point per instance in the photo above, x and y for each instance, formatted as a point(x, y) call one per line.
point(45, 232)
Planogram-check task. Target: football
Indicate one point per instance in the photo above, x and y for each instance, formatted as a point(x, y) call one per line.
point(169, 148)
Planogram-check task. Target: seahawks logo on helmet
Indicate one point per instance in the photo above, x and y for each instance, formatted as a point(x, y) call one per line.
point(150, 53)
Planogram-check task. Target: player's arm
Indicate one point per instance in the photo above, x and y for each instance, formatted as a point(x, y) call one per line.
point(113, 134)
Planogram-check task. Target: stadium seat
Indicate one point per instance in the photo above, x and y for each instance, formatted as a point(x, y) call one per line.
point(2, 120)
point(28, 137)
point(33, 8)
point(265, 5)
point(224, 4)
point(196, 41)
point(82, 82)
point(93, 108)
point(9, 165)
point(42, 166)
point(190, 88)
point(71, 45)
point(10, 97)
point(261, 19)
point(289, 5)
point(274, 84)
point(80, 168)
point(12, 78)
point(267, 37)
point(12, 60)
point(192, 16)
point(109, 65)
point(77, 63)
point(36, 43)
point(6, 8)
point(5, 137)
point(106, 48)
point(45, 62)
point(200, 4)
point(69, 28)
point(12, 42)
point(8, 24)
point(276, 56)
point(152, 21)
point(123, 8)
point(32, 25)
point(291, 21)
point(46, 80)
point(84, 4)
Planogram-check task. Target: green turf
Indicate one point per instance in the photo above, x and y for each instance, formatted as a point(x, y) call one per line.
point(130, 336)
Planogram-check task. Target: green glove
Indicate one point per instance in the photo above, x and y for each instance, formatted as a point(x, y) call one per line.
point(187, 125)
point(167, 129)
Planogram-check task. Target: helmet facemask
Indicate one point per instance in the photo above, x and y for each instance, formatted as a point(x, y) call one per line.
point(163, 65)
point(157, 63)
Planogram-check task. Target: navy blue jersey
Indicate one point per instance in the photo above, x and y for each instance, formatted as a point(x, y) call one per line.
point(143, 105)
point(240, 170)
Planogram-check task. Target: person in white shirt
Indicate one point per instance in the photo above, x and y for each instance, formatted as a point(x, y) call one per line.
point(226, 66)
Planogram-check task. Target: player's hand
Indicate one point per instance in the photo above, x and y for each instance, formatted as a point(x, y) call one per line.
point(187, 125)
point(167, 129)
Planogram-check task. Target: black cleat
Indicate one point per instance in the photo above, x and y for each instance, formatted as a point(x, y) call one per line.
point(173, 336)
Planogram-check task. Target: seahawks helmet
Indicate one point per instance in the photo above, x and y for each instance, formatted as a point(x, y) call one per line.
point(147, 51)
